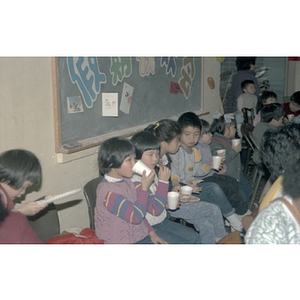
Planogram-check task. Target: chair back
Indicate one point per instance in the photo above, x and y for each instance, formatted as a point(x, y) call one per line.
point(45, 223)
point(89, 191)
point(246, 130)
point(248, 114)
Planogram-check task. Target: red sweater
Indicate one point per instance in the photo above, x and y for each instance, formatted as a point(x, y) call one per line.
point(14, 229)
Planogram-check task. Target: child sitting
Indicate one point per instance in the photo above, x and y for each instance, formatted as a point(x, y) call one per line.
point(187, 164)
point(19, 169)
point(205, 217)
point(223, 130)
point(292, 107)
point(271, 117)
point(147, 150)
point(266, 98)
point(120, 209)
point(228, 184)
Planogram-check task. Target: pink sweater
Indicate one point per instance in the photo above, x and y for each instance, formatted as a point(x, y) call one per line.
point(117, 220)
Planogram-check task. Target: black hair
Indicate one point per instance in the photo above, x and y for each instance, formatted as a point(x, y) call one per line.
point(296, 97)
point(113, 152)
point(3, 211)
point(244, 63)
point(18, 166)
point(272, 111)
point(262, 99)
point(245, 83)
point(278, 147)
point(205, 126)
point(219, 125)
point(290, 182)
point(144, 141)
point(189, 119)
point(164, 130)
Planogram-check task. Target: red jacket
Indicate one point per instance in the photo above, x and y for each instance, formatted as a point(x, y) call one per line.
point(14, 229)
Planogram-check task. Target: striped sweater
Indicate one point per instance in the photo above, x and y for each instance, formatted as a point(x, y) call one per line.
point(120, 212)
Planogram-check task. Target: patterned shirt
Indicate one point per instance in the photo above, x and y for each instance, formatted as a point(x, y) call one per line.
point(275, 224)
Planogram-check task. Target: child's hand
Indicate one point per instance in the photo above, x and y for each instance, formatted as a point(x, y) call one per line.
point(31, 208)
point(222, 170)
point(164, 173)
point(155, 239)
point(176, 188)
point(196, 189)
point(184, 198)
point(237, 148)
point(147, 180)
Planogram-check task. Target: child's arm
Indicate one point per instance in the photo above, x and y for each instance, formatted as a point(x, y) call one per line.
point(157, 201)
point(131, 212)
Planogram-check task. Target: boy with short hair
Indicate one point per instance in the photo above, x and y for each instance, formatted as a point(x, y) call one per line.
point(187, 164)
point(271, 118)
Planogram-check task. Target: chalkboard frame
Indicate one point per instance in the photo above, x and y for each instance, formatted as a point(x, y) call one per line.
point(96, 141)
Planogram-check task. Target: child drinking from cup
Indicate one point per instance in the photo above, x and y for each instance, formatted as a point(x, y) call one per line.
point(147, 150)
point(120, 208)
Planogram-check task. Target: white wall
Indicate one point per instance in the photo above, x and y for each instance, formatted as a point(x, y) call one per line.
point(27, 121)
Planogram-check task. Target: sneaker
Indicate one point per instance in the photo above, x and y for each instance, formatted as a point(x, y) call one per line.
point(235, 222)
point(247, 213)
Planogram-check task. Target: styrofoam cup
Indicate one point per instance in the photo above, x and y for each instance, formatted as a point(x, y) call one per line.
point(222, 153)
point(216, 162)
point(235, 142)
point(139, 167)
point(290, 117)
point(187, 190)
point(173, 198)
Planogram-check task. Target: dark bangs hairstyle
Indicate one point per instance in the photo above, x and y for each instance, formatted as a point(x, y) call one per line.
point(262, 99)
point(219, 125)
point(144, 141)
point(18, 166)
point(189, 119)
point(113, 152)
point(164, 130)
point(296, 97)
point(205, 127)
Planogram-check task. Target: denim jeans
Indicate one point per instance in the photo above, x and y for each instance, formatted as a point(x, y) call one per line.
point(173, 233)
point(245, 188)
point(212, 193)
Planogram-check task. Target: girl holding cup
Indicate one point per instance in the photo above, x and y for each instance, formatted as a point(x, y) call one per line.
point(147, 150)
point(228, 184)
point(223, 129)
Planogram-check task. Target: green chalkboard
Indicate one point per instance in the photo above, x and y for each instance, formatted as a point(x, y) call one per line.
point(97, 97)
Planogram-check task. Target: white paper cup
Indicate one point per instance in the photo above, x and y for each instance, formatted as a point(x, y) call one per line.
point(186, 190)
point(173, 198)
point(291, 117)
point(235, 142)
point(222, 153)
point(139, 167)
point(216, 162)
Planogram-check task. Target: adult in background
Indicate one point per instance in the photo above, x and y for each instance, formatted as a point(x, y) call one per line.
point(245, 71)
